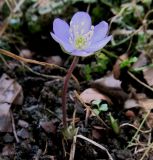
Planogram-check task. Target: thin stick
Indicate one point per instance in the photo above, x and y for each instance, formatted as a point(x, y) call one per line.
point(25, 60)
point(138, 130)
point(41, 74)
point(135, 78)
point(13, 127)
point(96, 144)
point(146, 151)
point(14, 56)
point(131, 125)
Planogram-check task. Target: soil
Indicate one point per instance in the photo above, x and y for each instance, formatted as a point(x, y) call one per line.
point(41, 111)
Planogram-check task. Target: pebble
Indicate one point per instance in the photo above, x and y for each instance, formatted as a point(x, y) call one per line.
point(8, 138)
point(23, 124)
point(23, 133)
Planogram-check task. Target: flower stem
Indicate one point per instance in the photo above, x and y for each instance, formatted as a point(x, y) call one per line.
point(65, 87)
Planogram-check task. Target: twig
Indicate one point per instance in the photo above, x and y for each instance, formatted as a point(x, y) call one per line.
point(25, 60)
point(96, 144)
point(146, 151)
point(45, 150)
point(127, 32)
point(41, 74)
point(128, 124)
point(135, 78)
point(138, 130)
point(13, 127)
point(4, 61)
point(53, 113)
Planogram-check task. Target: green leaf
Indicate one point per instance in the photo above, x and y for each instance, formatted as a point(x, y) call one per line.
point(96, 111)
point(128, 62)
point(114, 124)
point(96, 102)
point(103, 107)
point(69, 132)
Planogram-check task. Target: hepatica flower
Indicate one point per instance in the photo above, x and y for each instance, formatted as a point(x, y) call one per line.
point(80, 38)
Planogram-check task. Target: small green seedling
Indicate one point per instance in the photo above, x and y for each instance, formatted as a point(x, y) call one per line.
point(114, 124)
point(69, 132)
point(99, 106)
point(128, 62)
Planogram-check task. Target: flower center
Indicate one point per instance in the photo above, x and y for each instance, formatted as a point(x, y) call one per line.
point(80, 42)
point(78, 37)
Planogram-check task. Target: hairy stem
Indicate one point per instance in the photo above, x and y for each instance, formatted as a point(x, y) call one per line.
point(65, 87)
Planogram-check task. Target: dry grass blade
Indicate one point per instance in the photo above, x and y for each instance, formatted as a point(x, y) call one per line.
point(96, 144)
point(25, 60)
point(135, 78)
point(138, 130)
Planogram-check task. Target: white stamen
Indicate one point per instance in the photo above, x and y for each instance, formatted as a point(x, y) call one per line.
point(77, 36)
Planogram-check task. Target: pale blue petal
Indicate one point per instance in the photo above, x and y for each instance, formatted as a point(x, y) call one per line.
point(81, 21)
point(98, 45)
point(61, 29)
point(81, 53)
point(65, 44)
point(100, 31)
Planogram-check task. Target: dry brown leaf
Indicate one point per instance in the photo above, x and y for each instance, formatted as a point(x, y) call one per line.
point(116, 67)
point(96, 134)
point(55, 60)
point(148, 76)
point(91, 94)
point(111, 87)
point(131, 103)
point(8, 150)
point(49, 127)
point(109, 81)
point(150, 120)
point(141, 61)
point(146, 104)
point(10, 91)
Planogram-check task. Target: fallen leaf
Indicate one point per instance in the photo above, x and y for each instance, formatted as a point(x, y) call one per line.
point(109, 81)
point(91, 94)
point(55, 60)
point(111, 87)
point(9, 91)
point(98, 132)
point(131, 103)
point(49, 127)
point(141, 61)
point(146, 104)
point(8, 150)
point(148, 76)
point(116, 67)
point(150, 120)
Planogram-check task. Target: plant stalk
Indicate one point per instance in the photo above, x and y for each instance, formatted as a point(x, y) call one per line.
point(65, 88)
